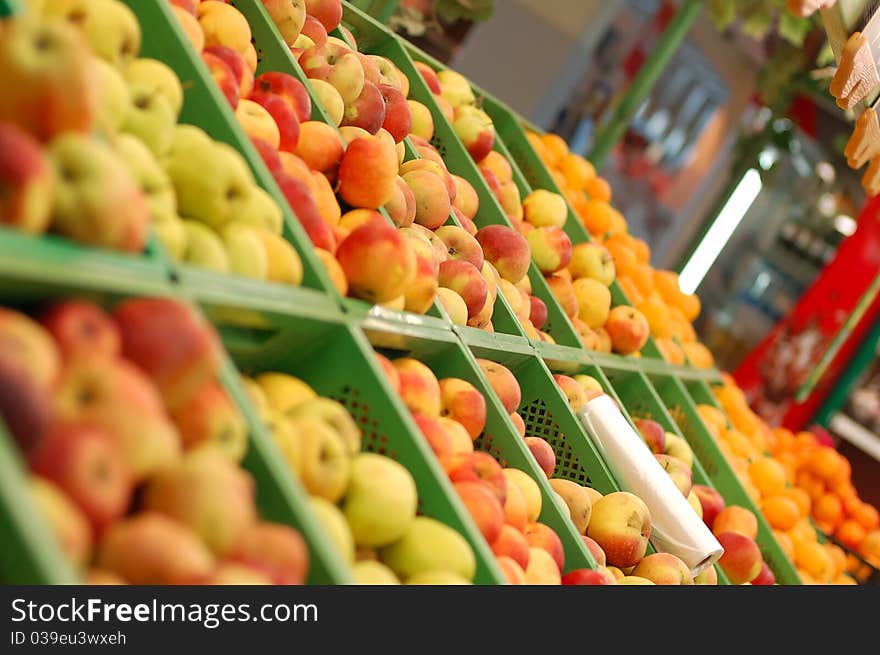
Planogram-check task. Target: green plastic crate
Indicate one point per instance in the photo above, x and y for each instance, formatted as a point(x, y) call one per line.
point(338, 362)
point(683, 409)
point(534, 174)
point(499, 438)
point(375, 38)
point(273, 54)
point(35, 558)
point(381, 10)
point(205, 106)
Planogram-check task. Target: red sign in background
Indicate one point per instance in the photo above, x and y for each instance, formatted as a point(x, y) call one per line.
point(772, 373)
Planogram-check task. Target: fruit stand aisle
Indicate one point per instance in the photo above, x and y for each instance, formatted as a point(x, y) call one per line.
point(391, 305)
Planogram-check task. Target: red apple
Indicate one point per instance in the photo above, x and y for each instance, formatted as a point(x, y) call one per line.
point(398, 115)
point(285, 118)
point(742, 560)
point(539, 535)
point(367, 110)
point(169, 340)
point(628, 329)
point(466, 280)
point(377, 260)
point(475, 129)
point(27, 181)
point(301, 201)
point(236, 62)
point(278, 551)
point(543, 454)
point(210, 418)
point(765, 577)
point(328, 12)
point(620, 523)
point(538, 313)
point(463, 403)
point(82, 327)
point(336, 64)
point(506, 249)
point(268, 154)
point(480, 466)
point(483, 505)
point(653, 434)
point(25, 407)
point(368, 171)
point(518, 423)
point(711, 501)
point(429, 76)
point(315, 30)
point(224, 77)
point(588, 577)
point(594, 548)
point(90, 468)
point(512, 543)
point(289, 88)
point(503, 383)
point(437, 437)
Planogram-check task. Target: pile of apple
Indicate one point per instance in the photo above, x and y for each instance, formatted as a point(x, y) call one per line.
point(60, 91)
point(133, 448)
point(655, 294)
point(366, 502)
point(121, 164)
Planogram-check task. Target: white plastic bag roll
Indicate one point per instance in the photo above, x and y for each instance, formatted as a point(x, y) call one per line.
point(675, 526)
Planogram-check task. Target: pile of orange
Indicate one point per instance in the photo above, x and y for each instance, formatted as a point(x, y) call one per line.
point(656, 293)
point(802, 487)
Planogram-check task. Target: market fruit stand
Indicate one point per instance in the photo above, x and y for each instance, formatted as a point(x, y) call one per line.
point(330, 341)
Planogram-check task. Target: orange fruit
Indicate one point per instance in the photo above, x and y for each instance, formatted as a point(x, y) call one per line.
point(784, 438)
point(642, 250)
point(785, 542)
point(556, 148)
point(867, 516)
point(642, 277)
point(673, 354)
point(838, 556)
point(657, 313)
point(739, 443)
point(618, 224)
point(850, 533)
point(712, 415)
point(870, 547)
point(829, 510)
point(596, 215)
point(538, 145)
point(690, 304)
point(844, 579)
point(815, 560)
point(781, 513)
point(577, 170)
point(630, 290)
point(800, 497)
point(624, 259)
point(805, 440)
point(825, 463)
point(599, 189)
point(811, 484)
point(768, 475)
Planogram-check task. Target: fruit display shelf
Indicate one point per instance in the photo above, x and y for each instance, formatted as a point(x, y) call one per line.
point(30, 555)
point(500, 437)
point(205, 106)
point(339, 363)
point(681, 398)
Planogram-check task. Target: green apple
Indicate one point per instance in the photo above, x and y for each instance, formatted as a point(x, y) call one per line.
point(160, 76)
point(110, 27)
point(335, 415)
point(332, 520)
point(261, 211)
point(326, 464)
point(245, 250)
point(211, 184)
point(381, 500)
point(115, 98)
point(203, 247)
point(371, 572)
point(678, 447)
point(428, 545)
point(285, 436)
point(152, 178)
point(98, 201)
point(150, 118)
point(282, 391)
point(170, 231)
